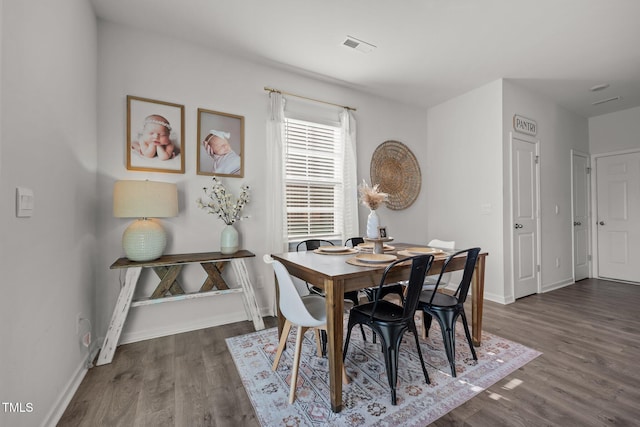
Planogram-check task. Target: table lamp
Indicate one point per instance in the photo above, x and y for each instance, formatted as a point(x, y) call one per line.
point(144, 239)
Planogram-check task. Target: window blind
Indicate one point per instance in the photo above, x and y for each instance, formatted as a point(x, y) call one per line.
point(313, 180)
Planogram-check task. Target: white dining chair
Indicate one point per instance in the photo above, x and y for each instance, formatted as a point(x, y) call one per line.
point(304, 312)
point(430, 281)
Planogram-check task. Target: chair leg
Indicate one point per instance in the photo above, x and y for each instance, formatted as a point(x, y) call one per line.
point(323, 334)
point(466, 332)
point(346, 341)
point(283, 341)
point(387, 352)
point(391, 361)
point(424, 369)
point(426, 322)
point(296, 363)
point(447, 322)
point(364, 337)
point(391, 339)
point(392, 372)
point(319, 343)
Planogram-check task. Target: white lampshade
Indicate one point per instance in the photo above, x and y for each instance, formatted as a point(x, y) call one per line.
point(145, 199)
point(144, 239)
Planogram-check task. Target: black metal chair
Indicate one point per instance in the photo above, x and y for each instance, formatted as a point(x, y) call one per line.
point(390, 320)
point(353, 241)
point(311, 244)
point(447, 308)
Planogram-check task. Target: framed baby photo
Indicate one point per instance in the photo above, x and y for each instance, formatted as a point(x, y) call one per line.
point(155, 135)
point(382, 232)
point(220, 144)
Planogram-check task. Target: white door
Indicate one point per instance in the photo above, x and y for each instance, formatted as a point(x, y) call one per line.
point(580, 206)
point(524, 178)
point(618, 219)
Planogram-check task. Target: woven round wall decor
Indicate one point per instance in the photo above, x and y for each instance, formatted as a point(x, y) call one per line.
point(396, 170)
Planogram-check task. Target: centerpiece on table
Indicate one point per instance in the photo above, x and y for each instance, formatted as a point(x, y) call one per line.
point(372, 198)
point(218, 201)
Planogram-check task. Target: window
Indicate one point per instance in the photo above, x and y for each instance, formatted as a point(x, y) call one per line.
point(313, 164)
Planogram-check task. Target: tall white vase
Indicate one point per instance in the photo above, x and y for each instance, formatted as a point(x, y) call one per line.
point(229, 240)
point(373, 221)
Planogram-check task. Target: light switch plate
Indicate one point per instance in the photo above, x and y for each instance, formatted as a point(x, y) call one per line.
point(24, 202)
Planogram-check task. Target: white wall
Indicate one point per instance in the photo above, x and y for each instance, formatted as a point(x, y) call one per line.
point(48, 144)
point(147, 65)
point(464, 177)
point(559, 131)
point(615, 132)
point(468, 177)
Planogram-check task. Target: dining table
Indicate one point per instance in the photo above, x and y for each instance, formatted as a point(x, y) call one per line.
point(336, 273)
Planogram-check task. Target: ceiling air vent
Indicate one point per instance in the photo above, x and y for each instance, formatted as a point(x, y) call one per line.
point(604, 101)
point(358, 45)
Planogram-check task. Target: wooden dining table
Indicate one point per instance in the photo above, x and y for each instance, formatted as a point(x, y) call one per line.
point(335, 276)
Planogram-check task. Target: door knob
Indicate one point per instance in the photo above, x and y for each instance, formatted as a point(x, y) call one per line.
point(518, 226)
point(601, 222)
point(577, 223)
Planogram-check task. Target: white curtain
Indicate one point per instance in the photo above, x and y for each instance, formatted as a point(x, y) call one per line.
point(350, 226)
point(276, 220)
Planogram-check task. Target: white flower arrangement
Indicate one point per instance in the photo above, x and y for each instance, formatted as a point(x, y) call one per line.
point(218, 201)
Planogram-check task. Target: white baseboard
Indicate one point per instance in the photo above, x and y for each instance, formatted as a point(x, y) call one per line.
point(557, 285)
point(56, 412)
point(500, 299)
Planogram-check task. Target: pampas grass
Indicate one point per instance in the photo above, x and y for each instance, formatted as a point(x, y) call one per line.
point(371, 197)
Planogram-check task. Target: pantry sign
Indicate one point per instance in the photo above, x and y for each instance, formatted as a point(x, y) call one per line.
point(524, 125)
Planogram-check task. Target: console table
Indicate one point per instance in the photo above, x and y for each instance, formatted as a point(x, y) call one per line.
point(168, 267)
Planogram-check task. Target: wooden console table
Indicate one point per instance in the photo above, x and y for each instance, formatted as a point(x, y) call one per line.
point(168, 267)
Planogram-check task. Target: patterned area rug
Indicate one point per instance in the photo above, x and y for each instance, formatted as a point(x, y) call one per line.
point(367, 399)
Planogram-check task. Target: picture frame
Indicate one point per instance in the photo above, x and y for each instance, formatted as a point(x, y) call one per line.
point(220, 144)
point(382, 232)
point(155, 135)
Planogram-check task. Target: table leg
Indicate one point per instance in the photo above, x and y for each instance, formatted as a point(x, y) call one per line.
point(248, 295)
point(168, 281)
point(334, 294)
point(214, 279)
point(477, 299)
point(119, 316)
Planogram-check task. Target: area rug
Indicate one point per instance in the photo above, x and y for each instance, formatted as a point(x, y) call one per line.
point(367, 398)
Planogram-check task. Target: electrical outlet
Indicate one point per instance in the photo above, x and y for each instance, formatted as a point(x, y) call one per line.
point(86, 339)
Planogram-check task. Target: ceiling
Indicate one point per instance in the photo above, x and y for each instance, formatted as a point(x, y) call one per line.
point(427, 51)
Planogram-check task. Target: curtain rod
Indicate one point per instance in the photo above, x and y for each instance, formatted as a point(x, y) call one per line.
point(307, 98)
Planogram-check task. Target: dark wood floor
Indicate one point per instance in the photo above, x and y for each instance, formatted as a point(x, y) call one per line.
point(588, 375)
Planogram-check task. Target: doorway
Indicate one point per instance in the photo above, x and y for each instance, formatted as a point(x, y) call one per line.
point(525, 217)
point(618, 216)
point(580, 209)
